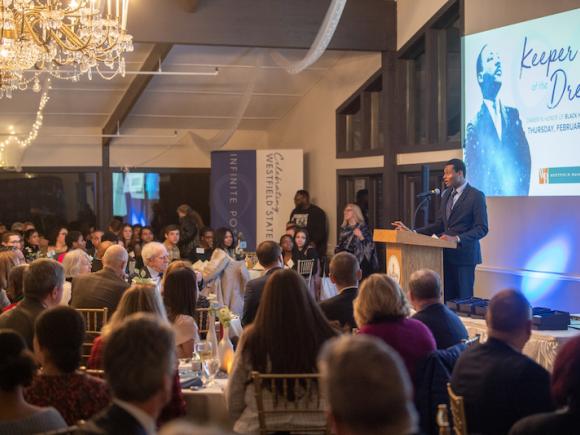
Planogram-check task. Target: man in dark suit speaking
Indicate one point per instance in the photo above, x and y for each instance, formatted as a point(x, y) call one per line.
point(463, 219)
point(497, 153)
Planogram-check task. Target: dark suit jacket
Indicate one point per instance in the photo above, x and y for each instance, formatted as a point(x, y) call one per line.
point(446, 327)
point(500, 386)
point(340, 308)
point(468, 220)
point(21, 319)
point(498, 166)
point(98, 290)
point(114, 420)
point(561, 423)
point(252, 296)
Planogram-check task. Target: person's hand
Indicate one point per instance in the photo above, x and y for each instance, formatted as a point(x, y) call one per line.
point(449, 238)
point(400, 226)
point(358, 233)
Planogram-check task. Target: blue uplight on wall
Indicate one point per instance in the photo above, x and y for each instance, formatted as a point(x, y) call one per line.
point(543, 267)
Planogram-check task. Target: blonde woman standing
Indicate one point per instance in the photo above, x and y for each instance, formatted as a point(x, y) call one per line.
point(355, 237)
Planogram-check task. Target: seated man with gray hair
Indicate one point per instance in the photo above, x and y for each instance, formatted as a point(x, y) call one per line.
point(499, 384)
point(345, 273)
point(367, 387)
point(155, 261)
point(139, 362)
point(426, 297)
point(103, 288)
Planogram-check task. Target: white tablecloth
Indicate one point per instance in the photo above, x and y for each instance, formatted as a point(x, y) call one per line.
point(208, 405)
point(542, 347)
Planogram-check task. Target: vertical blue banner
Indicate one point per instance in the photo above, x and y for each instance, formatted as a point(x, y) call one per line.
point(233, 193)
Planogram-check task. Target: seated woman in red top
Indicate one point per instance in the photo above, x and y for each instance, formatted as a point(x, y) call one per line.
point(59, 335)
point(140, 299)
point(381, 309)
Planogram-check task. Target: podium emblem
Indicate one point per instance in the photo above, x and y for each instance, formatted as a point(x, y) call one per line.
point(394, 269)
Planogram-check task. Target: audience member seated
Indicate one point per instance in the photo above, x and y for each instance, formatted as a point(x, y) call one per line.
point(97, 263)
point(11, 239)
point(43, 283)
point(139, 362)
point(367, 386)
point(499, 384)
point(147, 235)
point(303, 250)
point(31, 245)
point(58, 242)
point(105, 287)
point(139, 299)
point(171, 242)
point(381, 309)
point(287, 245)
point(566, 395)
point(225, 275)
point(9, 259)
point(76, 395)
point(95, 241)
point(15, 288)
point(127, 237)
point(270, 257)
point(155, 261)
point(203, 251)
point(285, 337)
point(180, 298)
point(426, 298)
point(16, 371)
point(74, 263)
point(345, 273)
point(74, 240)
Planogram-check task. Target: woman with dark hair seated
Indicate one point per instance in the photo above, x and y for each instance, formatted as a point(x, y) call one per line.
point(31, 245)
point(17, 368)
point(566, 395)
point(15, 288)
point(60, 333)
point(285, 337)
point(303, 251)
point(287, 245)
point(180, 298)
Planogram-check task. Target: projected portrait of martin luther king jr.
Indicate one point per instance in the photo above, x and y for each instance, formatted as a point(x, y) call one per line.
point(497, 153)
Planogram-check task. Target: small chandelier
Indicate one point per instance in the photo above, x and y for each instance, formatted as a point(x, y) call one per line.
point(65, 39)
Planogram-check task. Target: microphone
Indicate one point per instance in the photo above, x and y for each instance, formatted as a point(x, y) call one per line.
point(435, 191)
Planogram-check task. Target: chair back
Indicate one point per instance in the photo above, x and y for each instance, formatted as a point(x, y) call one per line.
point(204, 321)
point(305, 268)
point(458, 412)
point(291, 394)
point(95, 319)
point(443, 419)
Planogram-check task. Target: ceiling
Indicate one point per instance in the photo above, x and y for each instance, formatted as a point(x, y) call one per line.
point(176, 102)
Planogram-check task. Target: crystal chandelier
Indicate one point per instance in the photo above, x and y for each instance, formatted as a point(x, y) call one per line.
point(64, 38)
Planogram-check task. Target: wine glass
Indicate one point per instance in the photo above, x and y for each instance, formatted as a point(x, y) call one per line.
point(208, 361)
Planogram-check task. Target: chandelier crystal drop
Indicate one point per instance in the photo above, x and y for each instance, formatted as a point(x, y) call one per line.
point(63, 38)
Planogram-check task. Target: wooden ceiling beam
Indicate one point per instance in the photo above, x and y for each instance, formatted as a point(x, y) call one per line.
point(138, 85)
point(366, 25)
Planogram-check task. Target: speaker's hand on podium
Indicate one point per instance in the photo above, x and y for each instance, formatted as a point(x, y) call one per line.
point(400, 226)
point(449, 238)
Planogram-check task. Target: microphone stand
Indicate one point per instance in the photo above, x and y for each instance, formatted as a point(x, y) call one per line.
point(421, 205)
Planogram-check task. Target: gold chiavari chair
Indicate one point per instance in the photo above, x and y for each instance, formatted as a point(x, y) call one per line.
point(443, 419)
point(305, 268)
point(458, 412)
point(95, 319)
point(295, 394)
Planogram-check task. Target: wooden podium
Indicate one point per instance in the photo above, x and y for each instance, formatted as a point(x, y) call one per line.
point(408, 252)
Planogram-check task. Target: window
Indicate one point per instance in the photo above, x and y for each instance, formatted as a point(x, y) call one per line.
point(359, 123)
point(419, 93)
point(453, 66)
point(49, 199)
